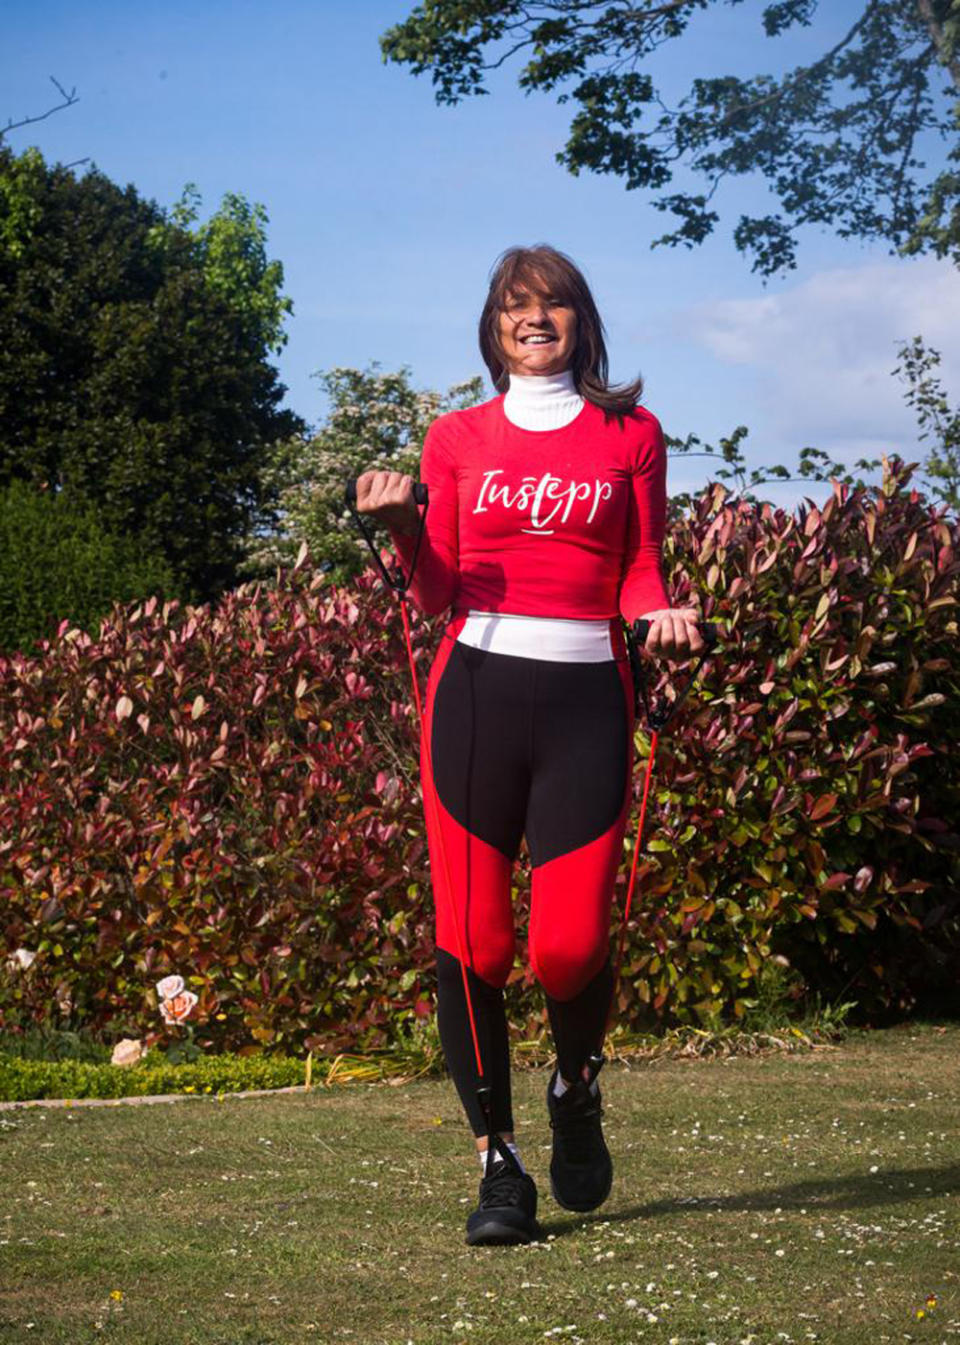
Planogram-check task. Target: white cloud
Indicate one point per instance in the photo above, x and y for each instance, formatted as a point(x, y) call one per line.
point(820, 355)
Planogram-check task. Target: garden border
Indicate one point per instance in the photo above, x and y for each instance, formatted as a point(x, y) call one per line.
point(153, 1097)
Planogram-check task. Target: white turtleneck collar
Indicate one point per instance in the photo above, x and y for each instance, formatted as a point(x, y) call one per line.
point(543, 401)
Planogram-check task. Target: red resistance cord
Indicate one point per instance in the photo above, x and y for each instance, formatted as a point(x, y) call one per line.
point(439, 833)
point(631, 884)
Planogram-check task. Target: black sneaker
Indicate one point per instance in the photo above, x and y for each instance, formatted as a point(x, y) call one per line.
point(581, 1171)
point(507, 1212)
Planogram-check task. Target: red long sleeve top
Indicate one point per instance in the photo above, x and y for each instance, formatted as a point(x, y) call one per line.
point(556, 523)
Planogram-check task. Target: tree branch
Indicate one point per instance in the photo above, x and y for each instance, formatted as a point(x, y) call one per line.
point(799, 76)
point(946, 50)
point(528, 18)
point(658, 11)
point(68, 101)
point(501, 60)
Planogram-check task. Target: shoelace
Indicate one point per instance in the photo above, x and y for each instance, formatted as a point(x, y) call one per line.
point(501, 1186)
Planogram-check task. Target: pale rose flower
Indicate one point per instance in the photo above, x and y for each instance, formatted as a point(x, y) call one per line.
point(178, 1007)
point(169, 987)
point(21, 958)
point(128, 1051)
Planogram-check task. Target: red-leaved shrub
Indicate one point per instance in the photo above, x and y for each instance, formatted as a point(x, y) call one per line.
point(232, 794)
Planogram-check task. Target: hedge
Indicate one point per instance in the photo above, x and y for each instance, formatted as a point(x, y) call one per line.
point(24, 1080)
point(230, 793)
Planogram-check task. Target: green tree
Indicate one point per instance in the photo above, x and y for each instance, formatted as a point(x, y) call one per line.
point(375, 420)
point(58, 561)
point(813, 464)
point(134, 370)
point(840, 140)
point(938, 420)
point(231, 247)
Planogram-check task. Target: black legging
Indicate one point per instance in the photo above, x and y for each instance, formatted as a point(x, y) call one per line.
point(523, 746)
point(577, 1025)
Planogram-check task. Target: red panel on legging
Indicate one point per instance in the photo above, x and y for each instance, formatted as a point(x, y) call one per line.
point(479, 874)
point(571, 896)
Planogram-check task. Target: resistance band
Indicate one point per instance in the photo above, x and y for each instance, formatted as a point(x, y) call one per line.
point(399, 586)
point(657, 718)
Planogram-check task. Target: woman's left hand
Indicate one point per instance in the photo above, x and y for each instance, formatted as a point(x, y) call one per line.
point(673, 633)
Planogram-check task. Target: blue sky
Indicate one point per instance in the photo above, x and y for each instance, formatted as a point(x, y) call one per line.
point(388, 211)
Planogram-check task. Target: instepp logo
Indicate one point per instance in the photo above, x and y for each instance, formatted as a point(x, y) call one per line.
point(545, 497)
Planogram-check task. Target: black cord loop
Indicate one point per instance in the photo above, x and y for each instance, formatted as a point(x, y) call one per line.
point(659, 716)
point(398, 583)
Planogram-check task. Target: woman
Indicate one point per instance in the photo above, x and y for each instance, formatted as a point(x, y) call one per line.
point(544, 524)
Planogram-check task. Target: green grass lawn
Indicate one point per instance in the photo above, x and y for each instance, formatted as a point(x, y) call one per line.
point(768, 1199)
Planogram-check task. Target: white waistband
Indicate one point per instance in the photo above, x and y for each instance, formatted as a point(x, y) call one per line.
point(555, 639)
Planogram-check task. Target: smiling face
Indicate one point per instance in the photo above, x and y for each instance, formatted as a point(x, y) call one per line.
point(538, 332)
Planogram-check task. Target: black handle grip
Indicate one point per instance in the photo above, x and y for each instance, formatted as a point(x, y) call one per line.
point(709, 632)
point(420, 492)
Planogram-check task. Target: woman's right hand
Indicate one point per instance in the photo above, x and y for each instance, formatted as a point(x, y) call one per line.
point(389, 497)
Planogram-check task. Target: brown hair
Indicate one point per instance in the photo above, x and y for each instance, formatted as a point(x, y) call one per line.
point(543, 270)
